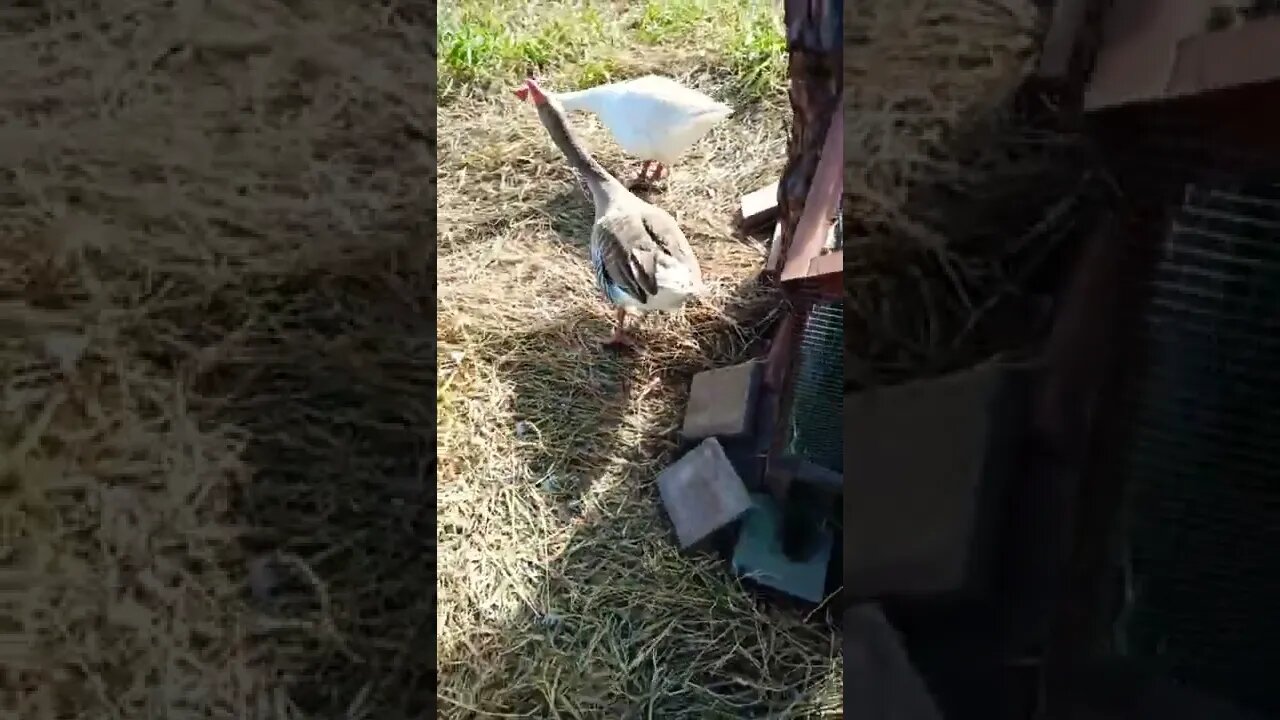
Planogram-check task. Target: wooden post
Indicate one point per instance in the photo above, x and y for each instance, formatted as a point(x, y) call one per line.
point(814, 37)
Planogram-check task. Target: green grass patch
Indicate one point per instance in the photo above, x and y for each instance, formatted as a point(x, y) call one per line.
point(660, 21)
point(481, 43)
point(485, 45)
point(757, 52)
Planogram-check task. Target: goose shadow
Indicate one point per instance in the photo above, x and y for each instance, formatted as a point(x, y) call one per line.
point(571, 403)
point(569, 396)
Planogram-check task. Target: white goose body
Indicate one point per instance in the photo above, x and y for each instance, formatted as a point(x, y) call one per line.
point(652, 117)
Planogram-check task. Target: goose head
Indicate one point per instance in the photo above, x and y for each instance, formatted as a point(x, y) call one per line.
point(530, 92)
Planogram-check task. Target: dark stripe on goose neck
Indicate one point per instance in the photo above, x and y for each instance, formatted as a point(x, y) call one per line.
point(593, 172)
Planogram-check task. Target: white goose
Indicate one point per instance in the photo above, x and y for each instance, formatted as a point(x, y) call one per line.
point(653, 118)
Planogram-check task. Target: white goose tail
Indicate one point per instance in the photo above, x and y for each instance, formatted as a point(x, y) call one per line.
point(677, 282)
point(684, 131)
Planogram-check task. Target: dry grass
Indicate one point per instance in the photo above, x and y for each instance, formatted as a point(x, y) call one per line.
point(217, 350)
point(954, 201)
point(561, 592)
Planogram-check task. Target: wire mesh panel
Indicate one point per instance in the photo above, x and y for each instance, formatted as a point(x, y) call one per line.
point(816, 422)
point(1203, 532)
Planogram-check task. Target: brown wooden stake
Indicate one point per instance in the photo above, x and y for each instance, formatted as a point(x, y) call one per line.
point(817, 73)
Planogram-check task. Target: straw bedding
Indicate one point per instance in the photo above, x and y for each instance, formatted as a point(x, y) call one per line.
point(561, 588)
point(215, 297)
point(954, 199)
point(216, 353)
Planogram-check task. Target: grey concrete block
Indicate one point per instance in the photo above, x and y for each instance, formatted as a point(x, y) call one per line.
point(702, 493)
point(919, 500)
point(722, 401)
point(759, 554)
point(880, 682)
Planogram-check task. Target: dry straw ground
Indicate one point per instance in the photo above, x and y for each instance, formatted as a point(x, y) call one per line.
point(216, 344)
point(954, 200)
point(216, 356)
point(561, 591)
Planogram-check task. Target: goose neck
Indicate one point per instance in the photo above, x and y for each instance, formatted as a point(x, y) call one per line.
point(598, 179)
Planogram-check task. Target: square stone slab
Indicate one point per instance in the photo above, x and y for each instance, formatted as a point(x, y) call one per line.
point(879, 678)
point(722, 401)
point(921, 500)
point(702, 493)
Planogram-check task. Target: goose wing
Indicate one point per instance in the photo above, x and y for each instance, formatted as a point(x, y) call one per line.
point(630, 245)
point(667, 235)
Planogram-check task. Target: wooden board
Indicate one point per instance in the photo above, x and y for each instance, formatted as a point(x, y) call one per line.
point(759, 207)
point(775, 250)
point(816, 219)
point(1154, 50)
point(827, 263)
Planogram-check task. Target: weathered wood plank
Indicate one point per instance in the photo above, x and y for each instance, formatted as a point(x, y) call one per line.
point(816, 217)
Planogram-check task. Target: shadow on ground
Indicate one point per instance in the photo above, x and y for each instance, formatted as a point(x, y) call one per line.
point(332, 384)
point(617, 600)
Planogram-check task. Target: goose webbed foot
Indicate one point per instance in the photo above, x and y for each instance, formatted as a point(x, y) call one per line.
point(620, 339)
point(650, 172)
point(644, 171)
point(621, 342)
